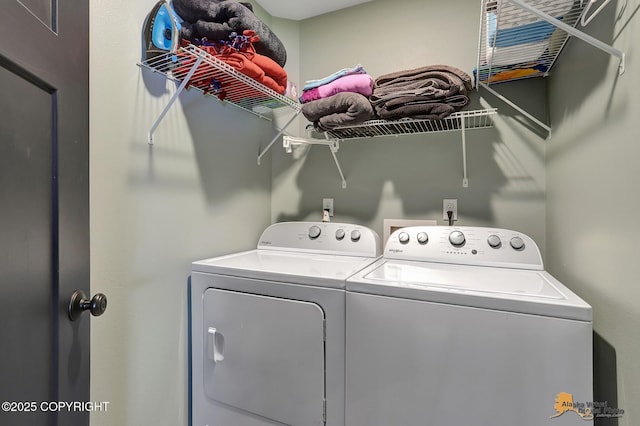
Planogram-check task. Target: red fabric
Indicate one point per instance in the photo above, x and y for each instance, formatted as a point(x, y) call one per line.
point(272, 70)
point(258, 67)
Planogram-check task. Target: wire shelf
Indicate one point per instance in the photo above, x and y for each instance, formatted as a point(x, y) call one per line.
point(460, 121)
point(215, 77)
point(376, 128)
point(516, 43)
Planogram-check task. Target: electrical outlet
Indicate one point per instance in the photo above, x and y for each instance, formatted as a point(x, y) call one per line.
point(327, 204)
point(450, 204)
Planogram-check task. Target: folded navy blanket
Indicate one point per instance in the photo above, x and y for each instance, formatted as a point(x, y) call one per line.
point(341, 109)
point(216, 19)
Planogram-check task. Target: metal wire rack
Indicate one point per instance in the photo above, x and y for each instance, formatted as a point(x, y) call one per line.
point(521, 39)
point(375, 128)
point(515, 44)
point(460, 121)
point(193, 68)
point(215, 77)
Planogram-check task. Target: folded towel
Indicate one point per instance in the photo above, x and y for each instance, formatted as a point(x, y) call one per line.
point(211, 80)
point(341, 109)
point(243, 64)
point(259, 68)
point(437, 76)
point(421, 107)
point(273, 71)
point(357, 83)
point(217, 19)
point(434, 111)
point(430, 92)
point(310, 84)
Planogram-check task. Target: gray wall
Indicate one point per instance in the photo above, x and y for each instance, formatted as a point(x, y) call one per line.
point(408, 177)
point(153, 211)
point(592, 195)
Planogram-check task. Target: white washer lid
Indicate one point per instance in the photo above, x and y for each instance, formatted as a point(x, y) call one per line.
point(286, 266)
point(514, 290)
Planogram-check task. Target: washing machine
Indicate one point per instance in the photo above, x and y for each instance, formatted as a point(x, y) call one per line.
point(463, 326)
point(267, 327)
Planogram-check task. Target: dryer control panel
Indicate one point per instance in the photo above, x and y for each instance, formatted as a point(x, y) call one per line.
point(322, 237)
point(464, 245)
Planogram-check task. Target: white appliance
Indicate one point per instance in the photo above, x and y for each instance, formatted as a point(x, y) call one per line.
point(267, 327)
point(462, 326)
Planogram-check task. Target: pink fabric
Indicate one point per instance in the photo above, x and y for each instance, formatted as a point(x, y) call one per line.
point(357, 83)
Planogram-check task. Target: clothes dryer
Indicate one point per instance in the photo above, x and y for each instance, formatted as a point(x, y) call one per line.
point(463, 326)
point(267, 327)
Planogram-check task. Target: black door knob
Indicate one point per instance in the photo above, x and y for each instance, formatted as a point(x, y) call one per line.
point(79, 303)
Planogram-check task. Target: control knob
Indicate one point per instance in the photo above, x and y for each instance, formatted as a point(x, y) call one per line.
point(340, 234)
point(355, 236)
point(494, 241)
point(403, 237)
point(422, 237)
point(314, 232)
point(517, 243)
point(457, 239)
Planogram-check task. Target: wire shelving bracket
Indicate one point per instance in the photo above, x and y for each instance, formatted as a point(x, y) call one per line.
point(458, 121)
point(521, 39)
point(288, 142)
point(193, 68)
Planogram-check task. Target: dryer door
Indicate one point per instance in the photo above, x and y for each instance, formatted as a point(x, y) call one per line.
point(265, 355)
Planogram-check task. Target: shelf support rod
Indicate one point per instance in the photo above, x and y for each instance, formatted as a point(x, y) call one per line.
point(480, 30)
point(575, 32)
point(518, 108)
point(334, 148)
point(465, 180)
point(280, 132)
point(184, 83)
point(333, 144)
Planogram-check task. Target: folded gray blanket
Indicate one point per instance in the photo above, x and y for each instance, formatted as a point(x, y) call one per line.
point(456, 101)
point(430, 92)
point(217, 19)
point(341, 109)
point(421, 107)
point(437, 77)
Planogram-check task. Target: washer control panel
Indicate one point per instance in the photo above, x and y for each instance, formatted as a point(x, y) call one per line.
point(464, 245)
point(322, 237)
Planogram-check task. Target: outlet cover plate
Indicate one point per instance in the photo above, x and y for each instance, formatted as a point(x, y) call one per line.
point(327, 204)
point(450, 204)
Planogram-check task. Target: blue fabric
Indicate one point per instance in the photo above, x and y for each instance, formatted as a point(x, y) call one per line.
point(528, 33)
point(310, 84)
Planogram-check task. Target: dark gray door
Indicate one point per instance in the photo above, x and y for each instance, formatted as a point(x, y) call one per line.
point(44, 211)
